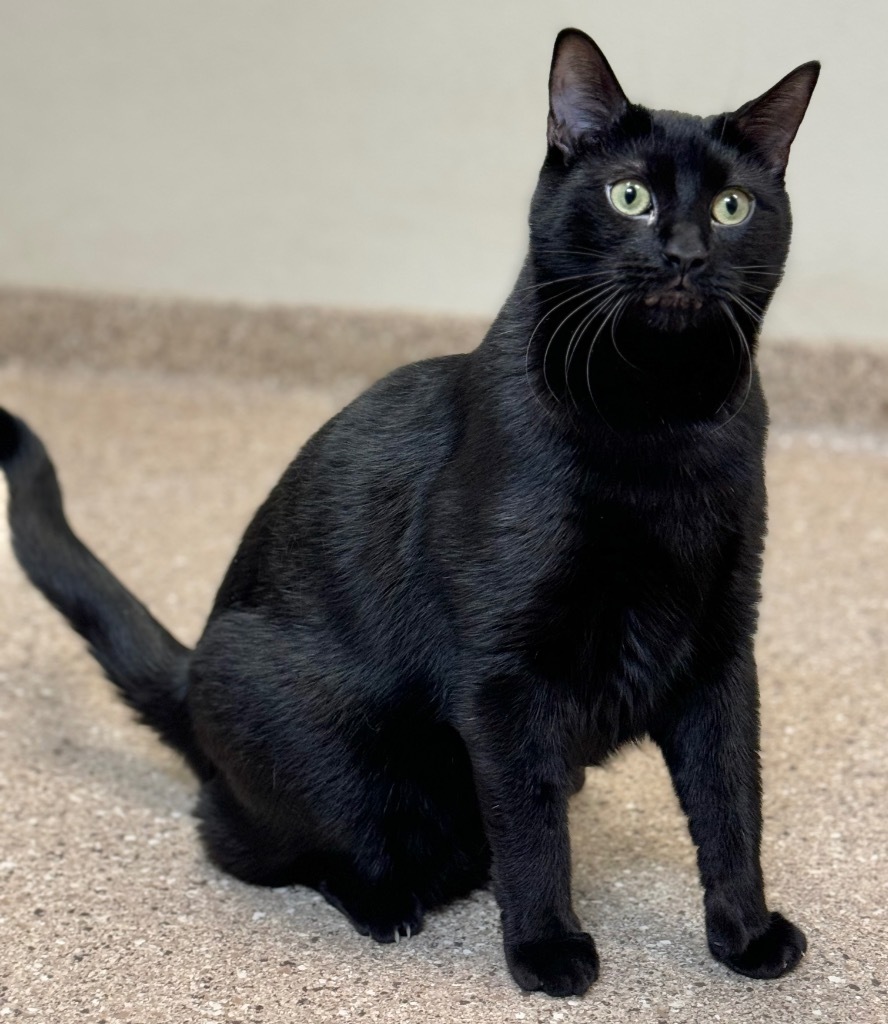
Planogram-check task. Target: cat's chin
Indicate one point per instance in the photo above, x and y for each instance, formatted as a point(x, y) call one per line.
point(674, 299)
point(672, 310)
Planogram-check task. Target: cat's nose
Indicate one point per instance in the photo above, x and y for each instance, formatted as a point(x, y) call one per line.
point(685, 249)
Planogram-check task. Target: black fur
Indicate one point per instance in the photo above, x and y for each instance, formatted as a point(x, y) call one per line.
point(493, 569)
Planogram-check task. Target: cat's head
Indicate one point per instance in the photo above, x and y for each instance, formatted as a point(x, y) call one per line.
point(675, 220)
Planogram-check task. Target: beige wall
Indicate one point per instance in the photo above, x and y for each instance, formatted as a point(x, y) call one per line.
point(382, 154)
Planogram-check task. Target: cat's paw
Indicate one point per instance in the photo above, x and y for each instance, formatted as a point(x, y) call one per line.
point(777, 950)
point(378, 911)
point(385, 928)
point(563, 966)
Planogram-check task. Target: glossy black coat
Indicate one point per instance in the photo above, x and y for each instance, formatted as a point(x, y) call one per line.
point(493, 569)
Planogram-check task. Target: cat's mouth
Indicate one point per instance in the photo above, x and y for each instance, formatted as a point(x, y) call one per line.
point(673, 307)
point(674, 297)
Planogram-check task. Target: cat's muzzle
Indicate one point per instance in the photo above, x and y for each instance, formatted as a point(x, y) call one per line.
point(674, 298)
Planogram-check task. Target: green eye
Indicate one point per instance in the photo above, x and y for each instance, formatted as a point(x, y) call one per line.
point(731, 207)
point(630, 198)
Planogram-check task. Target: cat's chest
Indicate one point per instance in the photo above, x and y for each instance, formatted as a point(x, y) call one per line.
point(620, 543)
point(622, 581)
point(620, 619)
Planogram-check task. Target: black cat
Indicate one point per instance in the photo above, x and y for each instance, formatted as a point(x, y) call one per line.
point(493, 569)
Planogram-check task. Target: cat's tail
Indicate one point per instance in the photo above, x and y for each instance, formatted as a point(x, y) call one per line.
point(147, 665)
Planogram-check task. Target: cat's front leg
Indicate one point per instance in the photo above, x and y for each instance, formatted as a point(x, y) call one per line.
point(710, 741)
point(523, 781)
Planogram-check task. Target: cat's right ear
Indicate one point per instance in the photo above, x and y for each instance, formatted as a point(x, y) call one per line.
point(770, 122)
point(585, 98)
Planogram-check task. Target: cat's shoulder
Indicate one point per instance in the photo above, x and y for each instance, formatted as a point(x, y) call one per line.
point(415, 397)
point(425, 376)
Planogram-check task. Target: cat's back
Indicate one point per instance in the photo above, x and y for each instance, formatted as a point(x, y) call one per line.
point(347, 514)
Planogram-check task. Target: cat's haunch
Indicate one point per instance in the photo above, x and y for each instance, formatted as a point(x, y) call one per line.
point(493, 569)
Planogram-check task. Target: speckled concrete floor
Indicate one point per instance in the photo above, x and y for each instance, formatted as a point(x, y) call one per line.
point(108, 910)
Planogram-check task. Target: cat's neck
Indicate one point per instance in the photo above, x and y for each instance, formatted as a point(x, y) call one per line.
point(592, 362)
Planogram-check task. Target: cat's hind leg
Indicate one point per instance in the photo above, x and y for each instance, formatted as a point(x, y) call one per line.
point(246, 848)
point(255, 852)
point(422, 843)
point(384, 908)
point(307, 789)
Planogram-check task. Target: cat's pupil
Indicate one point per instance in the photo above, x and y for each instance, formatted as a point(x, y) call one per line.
point(731, 205)
point(631, 194)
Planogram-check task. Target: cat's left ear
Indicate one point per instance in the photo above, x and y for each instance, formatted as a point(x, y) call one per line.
point(770, 122)
point(585, 98)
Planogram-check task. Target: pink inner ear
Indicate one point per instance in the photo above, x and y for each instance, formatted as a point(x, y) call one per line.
point(571, 108)
point(584, 95)
point(772, 121)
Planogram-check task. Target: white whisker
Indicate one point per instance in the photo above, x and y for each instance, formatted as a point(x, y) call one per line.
point(621, 309)
point(562, 280)
point(573, 344)
point(571, 252)
point(589, 364)
point(744, 348)
point(597, 294)
point(748, 307)
point(545, 316)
